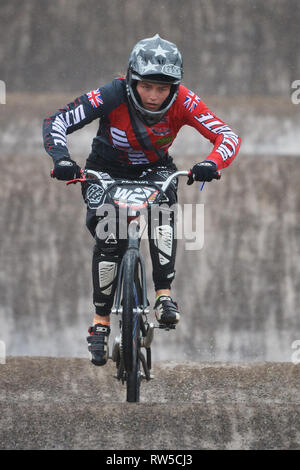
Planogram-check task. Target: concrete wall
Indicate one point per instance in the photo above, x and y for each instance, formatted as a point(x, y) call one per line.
point(239, 294)
point(232, 47)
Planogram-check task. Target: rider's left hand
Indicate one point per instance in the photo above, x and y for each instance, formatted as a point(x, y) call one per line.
point(204, 171)
point(66, 169)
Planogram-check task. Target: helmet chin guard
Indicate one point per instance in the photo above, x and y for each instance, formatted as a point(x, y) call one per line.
point(158, 61)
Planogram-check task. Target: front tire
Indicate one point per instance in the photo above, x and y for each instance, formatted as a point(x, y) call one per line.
point(131, 326)
point(134, 377)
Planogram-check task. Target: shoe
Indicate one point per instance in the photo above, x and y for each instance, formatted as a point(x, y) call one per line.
point(98, 344)
point(166, 310)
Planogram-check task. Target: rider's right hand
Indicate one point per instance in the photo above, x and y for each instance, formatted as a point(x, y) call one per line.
point(66, 169)
point(203, 171)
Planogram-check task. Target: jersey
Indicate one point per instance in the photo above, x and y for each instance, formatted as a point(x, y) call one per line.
point(124, 139)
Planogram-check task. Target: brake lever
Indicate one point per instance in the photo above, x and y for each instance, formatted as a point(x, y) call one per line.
point(217, 177)
point(76, 180)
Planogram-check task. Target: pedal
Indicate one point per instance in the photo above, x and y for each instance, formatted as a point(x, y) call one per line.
point(167, 327)
point(150, 377)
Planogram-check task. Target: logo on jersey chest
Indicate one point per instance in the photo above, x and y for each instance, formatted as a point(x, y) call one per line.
point(165, 135)
point(160, 131)
point(164, 140)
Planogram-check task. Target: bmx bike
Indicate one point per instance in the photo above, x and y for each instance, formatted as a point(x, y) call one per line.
point(131, 350)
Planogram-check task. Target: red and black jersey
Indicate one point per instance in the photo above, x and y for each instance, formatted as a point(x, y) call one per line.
point(123, 138)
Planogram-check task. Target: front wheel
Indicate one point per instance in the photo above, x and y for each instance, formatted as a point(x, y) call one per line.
point(133, 379)
point(131, 326)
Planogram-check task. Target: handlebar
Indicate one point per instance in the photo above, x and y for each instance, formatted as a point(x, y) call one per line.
point(165, 184)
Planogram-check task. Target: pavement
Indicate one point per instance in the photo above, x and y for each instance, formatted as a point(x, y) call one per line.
point(67, 403)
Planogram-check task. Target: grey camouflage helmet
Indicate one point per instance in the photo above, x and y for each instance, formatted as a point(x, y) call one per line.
point(154, 60)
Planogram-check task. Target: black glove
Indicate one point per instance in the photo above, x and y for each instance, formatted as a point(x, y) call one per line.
point(66, 169)
point(204, 171)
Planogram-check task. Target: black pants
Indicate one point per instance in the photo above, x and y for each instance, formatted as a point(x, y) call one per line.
point(108, 250)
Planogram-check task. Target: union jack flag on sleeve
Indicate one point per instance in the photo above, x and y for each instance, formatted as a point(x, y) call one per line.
point(95, 98)
point(191, 101)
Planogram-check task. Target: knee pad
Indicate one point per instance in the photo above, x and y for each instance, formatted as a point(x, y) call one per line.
point(163, 240)
point(106, 237)
point(105, 270)
point(107, 273)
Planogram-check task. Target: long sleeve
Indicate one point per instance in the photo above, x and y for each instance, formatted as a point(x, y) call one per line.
point(226, 142)
point(72, 117)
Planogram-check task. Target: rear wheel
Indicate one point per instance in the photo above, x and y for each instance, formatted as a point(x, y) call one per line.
point(131, 326)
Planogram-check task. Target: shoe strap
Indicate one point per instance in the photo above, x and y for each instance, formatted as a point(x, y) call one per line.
point(166, 297)
point(99, 328)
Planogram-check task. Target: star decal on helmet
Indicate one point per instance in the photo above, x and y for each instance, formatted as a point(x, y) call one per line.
point(159, 51)
point(138, 48)
point(149, 66)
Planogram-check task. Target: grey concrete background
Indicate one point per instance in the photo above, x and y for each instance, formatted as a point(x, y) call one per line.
point(239, 294)
point(233, 47)
point(231, 382)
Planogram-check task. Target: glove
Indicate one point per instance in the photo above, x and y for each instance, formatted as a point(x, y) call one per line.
point(204, 171)
point(66, 169)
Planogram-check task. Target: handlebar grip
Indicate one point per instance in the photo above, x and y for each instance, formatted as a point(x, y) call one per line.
point(75, 180)
point(217, 175)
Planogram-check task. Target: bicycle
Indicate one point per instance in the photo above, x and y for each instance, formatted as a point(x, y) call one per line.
point(130, 301)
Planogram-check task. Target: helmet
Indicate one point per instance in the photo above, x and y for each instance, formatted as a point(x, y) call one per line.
point(154, 60)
